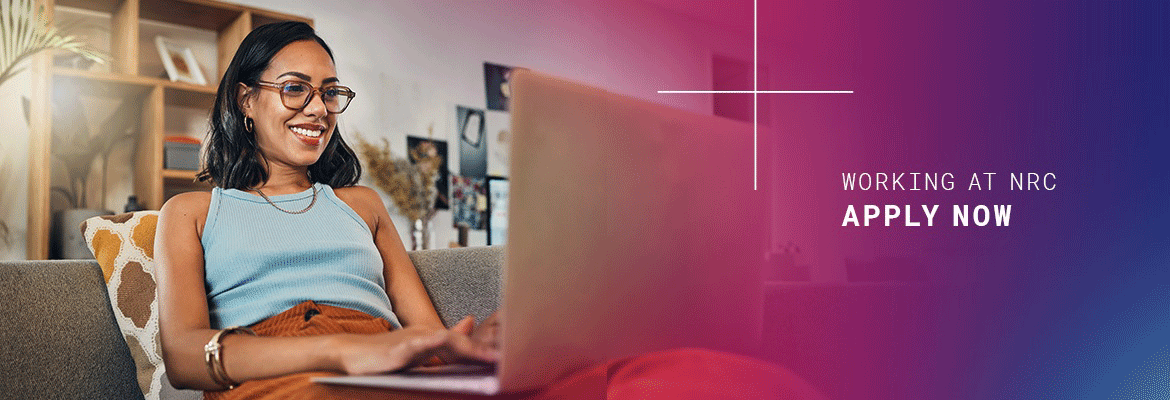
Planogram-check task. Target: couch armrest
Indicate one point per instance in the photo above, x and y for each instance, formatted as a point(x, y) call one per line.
point(461, 281)
point(60, 337)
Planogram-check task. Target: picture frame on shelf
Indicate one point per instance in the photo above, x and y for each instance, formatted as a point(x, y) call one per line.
point(179, 62)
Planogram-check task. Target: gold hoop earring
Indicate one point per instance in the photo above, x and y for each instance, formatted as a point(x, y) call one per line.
point(249, 125)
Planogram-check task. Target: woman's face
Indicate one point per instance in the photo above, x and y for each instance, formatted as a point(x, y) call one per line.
point(294, 138)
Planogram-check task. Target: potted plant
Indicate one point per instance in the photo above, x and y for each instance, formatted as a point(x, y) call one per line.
point(78, 151)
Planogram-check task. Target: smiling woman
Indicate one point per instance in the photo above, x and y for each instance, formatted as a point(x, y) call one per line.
point(286, 267)
point(247, 121)
point(291, 123)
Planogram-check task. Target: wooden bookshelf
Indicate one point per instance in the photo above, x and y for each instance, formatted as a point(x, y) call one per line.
point(152, 183)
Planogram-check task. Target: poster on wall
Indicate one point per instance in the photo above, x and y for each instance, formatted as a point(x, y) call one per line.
point(469, 126)
point(497, 223)
point(417, 147)
point(469, 202)
point(495, 79)
point(499, 126)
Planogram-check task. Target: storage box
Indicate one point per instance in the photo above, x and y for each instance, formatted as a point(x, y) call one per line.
point(181, 153)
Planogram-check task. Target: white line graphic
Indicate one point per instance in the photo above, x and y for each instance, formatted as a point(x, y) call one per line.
point(755, 92)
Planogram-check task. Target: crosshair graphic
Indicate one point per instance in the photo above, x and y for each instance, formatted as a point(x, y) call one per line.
point(755, 92)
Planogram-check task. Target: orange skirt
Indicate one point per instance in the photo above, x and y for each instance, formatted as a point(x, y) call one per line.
point(673, 374)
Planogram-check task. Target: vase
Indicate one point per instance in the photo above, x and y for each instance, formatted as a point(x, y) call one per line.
point(68, 242)
point(420, 234)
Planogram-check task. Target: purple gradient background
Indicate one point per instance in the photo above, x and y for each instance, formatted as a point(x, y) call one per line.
point(1070, 301)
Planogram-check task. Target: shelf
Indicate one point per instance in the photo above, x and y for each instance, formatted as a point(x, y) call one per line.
point(134, 80)
point(261, 17)
point(105, 6)
point(188, 87)
point(204, 14)
point(104, 79)
point(126, 29)
point(185, 97)
point(179, 174)
point(200, 14)
point(177, 93)
point(179, 181)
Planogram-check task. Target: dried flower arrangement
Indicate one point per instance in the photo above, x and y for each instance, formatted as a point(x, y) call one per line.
point(410, 185)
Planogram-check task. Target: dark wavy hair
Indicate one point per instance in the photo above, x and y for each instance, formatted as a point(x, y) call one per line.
point(233, 159)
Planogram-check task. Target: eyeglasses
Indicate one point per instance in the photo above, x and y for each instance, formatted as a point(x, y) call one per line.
point(297, 95)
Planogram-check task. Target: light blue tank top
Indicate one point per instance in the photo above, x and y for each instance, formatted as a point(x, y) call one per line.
point(260, 261)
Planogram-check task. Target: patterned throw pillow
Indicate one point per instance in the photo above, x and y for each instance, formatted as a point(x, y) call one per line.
point(124, 247)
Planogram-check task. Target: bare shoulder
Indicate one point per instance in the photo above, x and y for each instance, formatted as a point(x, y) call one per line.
point(187, 203)
point(359, 197)
point(186, 208)
point(365, 202)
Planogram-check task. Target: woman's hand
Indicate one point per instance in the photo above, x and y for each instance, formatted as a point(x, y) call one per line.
point(392, 351)
point(487, 333)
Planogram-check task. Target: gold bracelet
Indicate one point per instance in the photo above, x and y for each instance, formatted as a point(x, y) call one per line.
point(212, 354)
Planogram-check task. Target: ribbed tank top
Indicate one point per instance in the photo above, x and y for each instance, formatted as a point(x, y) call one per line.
point(260, 261)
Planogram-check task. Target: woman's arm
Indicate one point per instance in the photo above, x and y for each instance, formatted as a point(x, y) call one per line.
point(411, 301)
point(407, 294)
point(184, 323)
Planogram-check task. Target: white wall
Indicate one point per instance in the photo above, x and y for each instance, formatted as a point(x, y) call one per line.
point(413, 61)
point(14, 167)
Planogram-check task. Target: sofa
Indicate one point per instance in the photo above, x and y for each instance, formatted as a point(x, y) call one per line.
point(61, 341)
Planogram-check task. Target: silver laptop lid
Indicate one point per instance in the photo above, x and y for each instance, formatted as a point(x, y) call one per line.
point(633, 227)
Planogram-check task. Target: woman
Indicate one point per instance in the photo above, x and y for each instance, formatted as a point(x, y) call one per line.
point(286, 244)
point(274, 155)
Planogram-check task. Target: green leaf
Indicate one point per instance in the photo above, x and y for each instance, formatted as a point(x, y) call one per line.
point(24, 32)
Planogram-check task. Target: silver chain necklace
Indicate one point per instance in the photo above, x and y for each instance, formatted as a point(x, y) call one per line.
point(287, 211)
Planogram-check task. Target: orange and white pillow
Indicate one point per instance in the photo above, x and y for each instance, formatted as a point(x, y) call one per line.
point(124, 247)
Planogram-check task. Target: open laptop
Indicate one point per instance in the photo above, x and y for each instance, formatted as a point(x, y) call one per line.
point(633, 227)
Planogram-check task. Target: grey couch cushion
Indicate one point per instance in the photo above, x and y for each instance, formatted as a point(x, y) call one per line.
point(462, 281)
point(62, 342)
